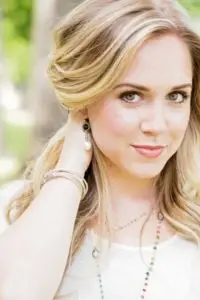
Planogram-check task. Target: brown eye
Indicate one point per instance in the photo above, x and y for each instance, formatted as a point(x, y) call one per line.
point(131, 97)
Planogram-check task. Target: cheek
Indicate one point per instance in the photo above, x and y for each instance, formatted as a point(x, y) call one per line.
point(110, 120)
point(113, 126)
point(179, 124)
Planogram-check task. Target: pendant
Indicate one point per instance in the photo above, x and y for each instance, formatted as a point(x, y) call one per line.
point(95, 253)
point(160, 216)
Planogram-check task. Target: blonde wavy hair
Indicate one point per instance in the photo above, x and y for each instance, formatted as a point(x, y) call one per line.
point(94, 46)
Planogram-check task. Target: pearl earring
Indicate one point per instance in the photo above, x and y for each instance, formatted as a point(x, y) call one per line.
point(87, 130)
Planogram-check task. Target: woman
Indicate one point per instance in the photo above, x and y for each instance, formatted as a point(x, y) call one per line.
point(116, 191)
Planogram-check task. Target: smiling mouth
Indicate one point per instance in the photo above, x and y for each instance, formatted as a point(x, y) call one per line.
point(149, 151)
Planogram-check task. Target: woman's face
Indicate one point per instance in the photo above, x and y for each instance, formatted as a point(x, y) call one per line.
point(141, 123)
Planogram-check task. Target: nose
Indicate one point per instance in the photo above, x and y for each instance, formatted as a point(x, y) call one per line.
point(154, 121)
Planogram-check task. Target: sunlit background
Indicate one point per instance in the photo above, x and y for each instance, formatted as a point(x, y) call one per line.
point(29, 113)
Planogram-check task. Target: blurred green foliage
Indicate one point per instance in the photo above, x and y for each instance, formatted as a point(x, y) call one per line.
point(17, 139)
point(17, 19)
point(17, 27)
point(193, 7)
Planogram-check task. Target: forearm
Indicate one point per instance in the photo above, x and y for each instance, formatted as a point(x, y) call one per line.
point(38, 242)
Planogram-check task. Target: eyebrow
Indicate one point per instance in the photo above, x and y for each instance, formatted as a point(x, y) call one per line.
point(145, 89)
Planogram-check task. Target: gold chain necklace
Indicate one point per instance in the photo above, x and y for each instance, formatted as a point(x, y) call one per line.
point(129, 223)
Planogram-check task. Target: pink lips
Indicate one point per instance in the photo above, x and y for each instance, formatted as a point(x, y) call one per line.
point(149, 151)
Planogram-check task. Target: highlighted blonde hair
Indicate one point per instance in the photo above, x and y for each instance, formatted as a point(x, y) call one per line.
point(94, 46)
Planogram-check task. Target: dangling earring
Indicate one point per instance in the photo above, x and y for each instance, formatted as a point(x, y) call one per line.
point(87, 130)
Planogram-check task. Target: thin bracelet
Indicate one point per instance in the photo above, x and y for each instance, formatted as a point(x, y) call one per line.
point(80, 182)
point(70, 175)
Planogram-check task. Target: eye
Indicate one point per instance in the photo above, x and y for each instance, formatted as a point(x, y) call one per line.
point(131, 97)
point(178, 97)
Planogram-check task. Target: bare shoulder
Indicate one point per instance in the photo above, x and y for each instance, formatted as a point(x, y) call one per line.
point(7, 193)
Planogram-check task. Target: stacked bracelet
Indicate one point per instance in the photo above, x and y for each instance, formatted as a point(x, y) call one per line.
point(75, 178)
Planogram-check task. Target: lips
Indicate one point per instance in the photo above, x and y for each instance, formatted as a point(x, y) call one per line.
point(149, 150)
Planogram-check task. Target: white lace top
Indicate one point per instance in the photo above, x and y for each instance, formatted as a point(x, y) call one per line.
point(176, 274)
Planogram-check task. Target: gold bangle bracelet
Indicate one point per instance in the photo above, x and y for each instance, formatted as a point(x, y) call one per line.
point(75, 178)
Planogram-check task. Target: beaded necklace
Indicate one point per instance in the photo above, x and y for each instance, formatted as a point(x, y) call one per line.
point(96, 254)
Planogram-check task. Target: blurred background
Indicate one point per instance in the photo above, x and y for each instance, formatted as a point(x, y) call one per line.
point(29, 113)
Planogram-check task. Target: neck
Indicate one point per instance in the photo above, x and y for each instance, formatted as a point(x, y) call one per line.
point(130, 196)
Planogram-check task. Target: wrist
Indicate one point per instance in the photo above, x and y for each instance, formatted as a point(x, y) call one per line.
point(73, 177)
point(79, 170)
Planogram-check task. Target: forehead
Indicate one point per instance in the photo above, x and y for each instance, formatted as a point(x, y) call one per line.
point(161, 61)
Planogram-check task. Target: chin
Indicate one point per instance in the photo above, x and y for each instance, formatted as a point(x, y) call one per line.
point(145, 171)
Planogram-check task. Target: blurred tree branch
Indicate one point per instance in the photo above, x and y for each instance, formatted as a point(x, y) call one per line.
point(41, 99)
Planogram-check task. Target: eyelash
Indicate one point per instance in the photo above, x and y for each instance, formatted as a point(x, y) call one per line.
point(184, 95)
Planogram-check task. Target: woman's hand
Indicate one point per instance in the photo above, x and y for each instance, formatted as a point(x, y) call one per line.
point(74, 155)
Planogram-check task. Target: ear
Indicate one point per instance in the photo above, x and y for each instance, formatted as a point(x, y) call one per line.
point(84, 113)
